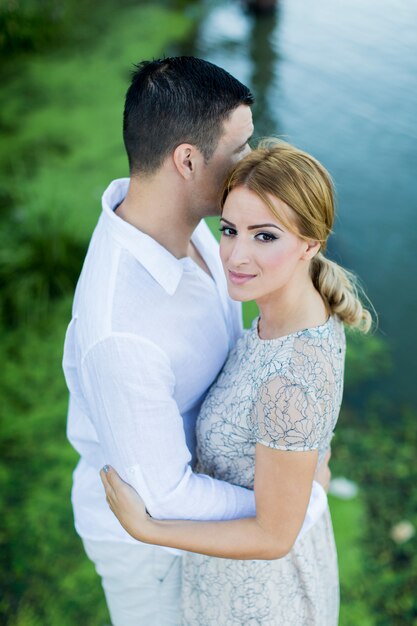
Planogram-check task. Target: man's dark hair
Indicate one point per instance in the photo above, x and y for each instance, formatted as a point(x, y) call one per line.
point(175, 100)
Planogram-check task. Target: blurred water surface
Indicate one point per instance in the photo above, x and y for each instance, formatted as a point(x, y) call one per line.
point(339, 79)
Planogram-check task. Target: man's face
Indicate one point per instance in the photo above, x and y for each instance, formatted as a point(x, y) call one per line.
point(232, 146)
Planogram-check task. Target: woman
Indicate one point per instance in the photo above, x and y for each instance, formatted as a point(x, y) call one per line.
point(268, 419)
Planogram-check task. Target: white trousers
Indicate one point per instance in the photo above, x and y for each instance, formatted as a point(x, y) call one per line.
point(142, 583)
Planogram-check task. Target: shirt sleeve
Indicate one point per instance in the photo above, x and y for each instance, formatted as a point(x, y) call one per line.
point(316, 507)
point(129, 387)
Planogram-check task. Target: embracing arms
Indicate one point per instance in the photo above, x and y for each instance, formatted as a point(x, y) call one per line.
point(129, 387)
point(282, 490)
point(288, 427)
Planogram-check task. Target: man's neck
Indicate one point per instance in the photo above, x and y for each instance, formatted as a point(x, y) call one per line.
point(161, 213)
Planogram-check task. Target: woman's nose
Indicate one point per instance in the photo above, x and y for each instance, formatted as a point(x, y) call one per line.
point(239, 254)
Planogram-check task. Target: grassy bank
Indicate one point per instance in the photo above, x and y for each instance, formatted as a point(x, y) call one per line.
point(63, 111)
point(62, 144)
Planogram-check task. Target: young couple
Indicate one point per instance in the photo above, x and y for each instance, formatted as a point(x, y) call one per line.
point(156, 323)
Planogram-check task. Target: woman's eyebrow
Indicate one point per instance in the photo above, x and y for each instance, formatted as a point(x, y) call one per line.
point(255, 226)
point(223, 219)
point(265, 226)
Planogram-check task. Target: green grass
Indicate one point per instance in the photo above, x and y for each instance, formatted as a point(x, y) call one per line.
point(65, 111)
point(348, 522)
point(61, 117)
point(45, 577)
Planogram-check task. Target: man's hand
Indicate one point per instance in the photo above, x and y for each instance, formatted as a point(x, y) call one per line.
point(323, 473)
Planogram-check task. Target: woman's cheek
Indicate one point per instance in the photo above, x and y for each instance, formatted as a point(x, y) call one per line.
point(277, 258)
point(282, 260)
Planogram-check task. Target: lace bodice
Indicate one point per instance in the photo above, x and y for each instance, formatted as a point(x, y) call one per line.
point(284, 393)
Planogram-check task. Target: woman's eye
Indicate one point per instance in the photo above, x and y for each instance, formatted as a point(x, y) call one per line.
point(227, 231)
point(265, 237)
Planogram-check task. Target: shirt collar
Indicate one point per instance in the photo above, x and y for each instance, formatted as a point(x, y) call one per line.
point(166, 269)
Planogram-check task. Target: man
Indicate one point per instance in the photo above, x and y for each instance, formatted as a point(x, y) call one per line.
point(151, 328)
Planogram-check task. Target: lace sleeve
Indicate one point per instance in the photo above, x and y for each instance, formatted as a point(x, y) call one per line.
point(287, 416)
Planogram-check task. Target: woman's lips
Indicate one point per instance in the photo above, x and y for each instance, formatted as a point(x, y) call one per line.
point(239, 279)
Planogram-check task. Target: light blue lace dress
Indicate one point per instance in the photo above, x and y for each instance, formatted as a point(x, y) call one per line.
point(284, 393)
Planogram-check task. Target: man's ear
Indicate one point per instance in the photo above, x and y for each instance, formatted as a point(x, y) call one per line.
point(185, 157)
point(311, 249)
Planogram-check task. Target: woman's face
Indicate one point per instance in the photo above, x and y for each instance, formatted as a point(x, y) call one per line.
point(260, 256)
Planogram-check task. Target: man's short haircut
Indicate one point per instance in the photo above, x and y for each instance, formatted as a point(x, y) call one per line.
point(173, 101)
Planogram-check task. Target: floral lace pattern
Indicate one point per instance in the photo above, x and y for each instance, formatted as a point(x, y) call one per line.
point(284, 393)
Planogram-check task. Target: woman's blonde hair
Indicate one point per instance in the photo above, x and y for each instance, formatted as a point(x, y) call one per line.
point(296, 178)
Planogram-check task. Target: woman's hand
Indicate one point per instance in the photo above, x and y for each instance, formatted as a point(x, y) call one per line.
point(126, 504)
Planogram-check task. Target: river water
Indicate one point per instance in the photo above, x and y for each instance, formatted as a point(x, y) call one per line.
point(339, 79)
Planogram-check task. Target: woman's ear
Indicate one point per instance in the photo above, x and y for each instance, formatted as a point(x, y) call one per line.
point(311, 249)
point(186, 157)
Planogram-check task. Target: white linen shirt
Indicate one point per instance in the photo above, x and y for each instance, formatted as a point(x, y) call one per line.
point(149, 334)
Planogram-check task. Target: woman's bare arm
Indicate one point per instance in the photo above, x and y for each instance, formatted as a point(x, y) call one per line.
point(283, 481)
